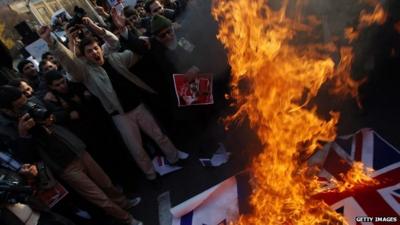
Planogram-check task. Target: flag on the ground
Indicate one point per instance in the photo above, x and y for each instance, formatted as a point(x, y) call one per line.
point(382, 200)
point(162, 166)
point(223, 203)
point(218, 205)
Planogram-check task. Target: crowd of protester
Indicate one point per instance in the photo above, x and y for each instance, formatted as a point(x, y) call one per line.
point(71, 119)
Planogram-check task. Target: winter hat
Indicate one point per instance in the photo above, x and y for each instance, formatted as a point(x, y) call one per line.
point(159, 23)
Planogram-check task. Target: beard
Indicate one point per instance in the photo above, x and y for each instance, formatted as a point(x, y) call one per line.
point(172, 45)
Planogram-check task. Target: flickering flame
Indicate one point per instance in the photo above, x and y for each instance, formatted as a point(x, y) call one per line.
point(283, 76)
point(357, 176)
point(343, 83)
point(378, 16)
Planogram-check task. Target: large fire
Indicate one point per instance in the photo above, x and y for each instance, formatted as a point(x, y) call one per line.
point(284, 74)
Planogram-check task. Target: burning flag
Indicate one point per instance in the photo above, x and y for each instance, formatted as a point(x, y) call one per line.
point(267, 49)
point(376, 197)
point(380, 195)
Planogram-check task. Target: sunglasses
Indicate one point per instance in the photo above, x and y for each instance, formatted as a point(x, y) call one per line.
point(165, 33)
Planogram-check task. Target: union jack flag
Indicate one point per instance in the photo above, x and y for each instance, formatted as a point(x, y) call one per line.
point(382, 200)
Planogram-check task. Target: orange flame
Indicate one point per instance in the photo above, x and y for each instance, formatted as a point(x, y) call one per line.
point(343, 83)
point(357, 176)
point(378, 16)
point(284, 76)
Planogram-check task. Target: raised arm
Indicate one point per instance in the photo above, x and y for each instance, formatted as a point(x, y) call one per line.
point(74, 66)
point(111, 41)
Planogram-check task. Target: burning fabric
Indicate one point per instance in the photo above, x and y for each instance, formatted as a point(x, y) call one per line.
point(377, 197)
point(277, 51)
point(374, 196)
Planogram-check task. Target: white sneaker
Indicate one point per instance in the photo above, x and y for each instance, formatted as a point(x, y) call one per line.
point(133, 202)
point(136, 222)
point(182, 155)
point(83, 214)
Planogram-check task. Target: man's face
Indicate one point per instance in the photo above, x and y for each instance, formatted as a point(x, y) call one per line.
point(133, 19)
point(59, 86)
point(49, 66)
point(167, 37)
point(50, 58)
point(156, 8)
point(29, 70)
point(141, 10)
point(94, 53)
point(26, 89)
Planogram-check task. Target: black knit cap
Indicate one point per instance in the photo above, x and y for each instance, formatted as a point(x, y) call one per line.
point(130, 11)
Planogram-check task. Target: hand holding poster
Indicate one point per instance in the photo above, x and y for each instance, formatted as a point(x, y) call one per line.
point(193, 89)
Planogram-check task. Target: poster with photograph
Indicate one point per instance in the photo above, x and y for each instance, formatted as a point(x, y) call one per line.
point(53, 195)
point(58, 21)
point(193, 89)
point(60, 18)
point(117, 4)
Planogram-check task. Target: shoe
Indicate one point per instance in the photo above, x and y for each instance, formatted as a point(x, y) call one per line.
point(83, 214)
point(182, 155)
point(179, 162)
point(132, 202)
point(152, 176)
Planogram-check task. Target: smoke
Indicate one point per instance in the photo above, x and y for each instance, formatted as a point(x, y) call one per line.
point(369, 47)
point(200, 29)
point(377, 50)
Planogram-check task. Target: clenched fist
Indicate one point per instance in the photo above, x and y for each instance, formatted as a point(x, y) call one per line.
point(45, 33)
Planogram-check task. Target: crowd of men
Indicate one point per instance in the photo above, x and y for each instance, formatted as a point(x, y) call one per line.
point(91, 98)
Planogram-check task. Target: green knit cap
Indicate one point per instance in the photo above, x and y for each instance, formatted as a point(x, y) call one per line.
point(158, 23)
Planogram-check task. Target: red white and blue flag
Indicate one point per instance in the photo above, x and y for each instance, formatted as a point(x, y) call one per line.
point(374, 201)
point(224, 202)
